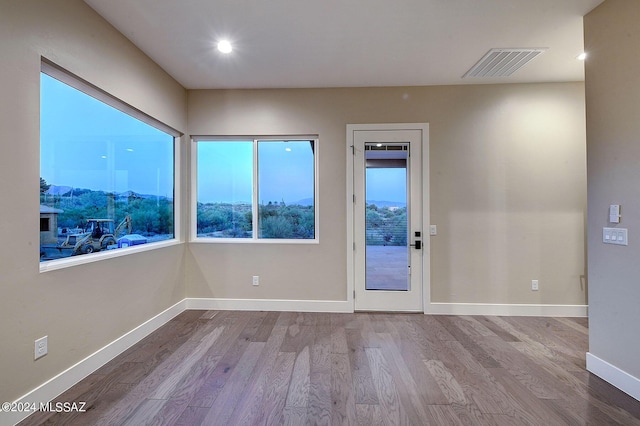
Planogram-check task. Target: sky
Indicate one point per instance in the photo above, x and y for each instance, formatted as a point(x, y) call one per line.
point(387, 184)
point(85, 143)
point(285, 171)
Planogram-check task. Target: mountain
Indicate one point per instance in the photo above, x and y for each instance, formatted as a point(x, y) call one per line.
point(58, 190)
point(65, 190)
point(309, 202)
point(304, 202)
point(387, 203)
point(132, 194)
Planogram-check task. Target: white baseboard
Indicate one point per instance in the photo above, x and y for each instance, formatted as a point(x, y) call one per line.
point(279, 305)
point(613, 375)
point(345, 306)
point(72, 375)
point(506, 309)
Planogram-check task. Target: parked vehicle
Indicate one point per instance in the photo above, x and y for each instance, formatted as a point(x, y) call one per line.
point(97, 235)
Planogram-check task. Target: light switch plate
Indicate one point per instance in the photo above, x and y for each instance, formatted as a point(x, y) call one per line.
point(614, 213)
point(617, 236)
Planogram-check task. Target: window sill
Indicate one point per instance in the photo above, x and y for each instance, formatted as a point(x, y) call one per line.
point(251, 241)
point(53, 265)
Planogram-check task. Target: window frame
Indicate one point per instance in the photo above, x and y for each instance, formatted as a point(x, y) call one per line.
point(55, 71)
point(255, 239)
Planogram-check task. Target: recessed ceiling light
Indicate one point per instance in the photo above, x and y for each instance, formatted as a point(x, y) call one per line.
point(582, 56)
point(224, 46)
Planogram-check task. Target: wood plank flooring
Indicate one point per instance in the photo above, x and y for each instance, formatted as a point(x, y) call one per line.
point(272, 368)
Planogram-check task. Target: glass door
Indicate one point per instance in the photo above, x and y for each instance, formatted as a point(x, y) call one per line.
point(388, 220)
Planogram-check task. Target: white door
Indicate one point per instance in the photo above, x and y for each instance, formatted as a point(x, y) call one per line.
point(388, 232)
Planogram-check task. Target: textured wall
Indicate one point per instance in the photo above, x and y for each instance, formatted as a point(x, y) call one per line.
point(508, 190)
point(84, 307)
point(613, 152)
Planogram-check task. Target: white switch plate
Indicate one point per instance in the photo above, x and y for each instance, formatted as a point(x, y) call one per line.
point(433, 230)
point(614, 213)
point(618, 236)
point(41, 347)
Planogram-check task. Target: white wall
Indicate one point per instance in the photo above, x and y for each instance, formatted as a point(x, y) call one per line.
point(612, 36)
point(85, 307)
point(508, 190)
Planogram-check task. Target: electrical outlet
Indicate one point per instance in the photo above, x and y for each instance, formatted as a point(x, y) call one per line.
point(41, 347)
point(534, 285)
point(256, 280)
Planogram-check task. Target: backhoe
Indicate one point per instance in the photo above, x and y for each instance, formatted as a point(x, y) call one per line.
point(98, 235)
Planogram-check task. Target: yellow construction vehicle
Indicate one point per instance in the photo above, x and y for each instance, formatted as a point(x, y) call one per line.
point(97, 235)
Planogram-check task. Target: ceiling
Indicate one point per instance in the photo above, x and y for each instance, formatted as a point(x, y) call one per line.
point(349, 43)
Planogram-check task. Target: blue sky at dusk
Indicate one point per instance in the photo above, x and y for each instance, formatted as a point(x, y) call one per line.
point(387, 184)
point(85, 143)
point(225, 171)
point(88, 144)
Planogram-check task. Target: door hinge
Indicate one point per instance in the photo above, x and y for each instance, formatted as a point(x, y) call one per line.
point(353, 149)
point(354, 246)
point(354, 294)
point(354, 198)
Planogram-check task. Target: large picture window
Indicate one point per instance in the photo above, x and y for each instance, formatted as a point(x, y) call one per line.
point(106, 176)
point(261, 189)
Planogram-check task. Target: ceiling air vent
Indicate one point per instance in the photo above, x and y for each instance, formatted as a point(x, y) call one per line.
point(502, 62)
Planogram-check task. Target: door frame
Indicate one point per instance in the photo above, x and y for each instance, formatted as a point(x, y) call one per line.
point(426, 258)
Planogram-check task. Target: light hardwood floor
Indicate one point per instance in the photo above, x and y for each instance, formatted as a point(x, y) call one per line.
point(246, 368)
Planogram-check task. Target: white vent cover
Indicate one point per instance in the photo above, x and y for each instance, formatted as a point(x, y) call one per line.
point(502, 62)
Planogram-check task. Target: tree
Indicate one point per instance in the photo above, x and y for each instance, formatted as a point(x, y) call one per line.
point(276, 227)
point(44, 186)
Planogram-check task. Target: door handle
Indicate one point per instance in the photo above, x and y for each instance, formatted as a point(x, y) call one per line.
point(417, 245)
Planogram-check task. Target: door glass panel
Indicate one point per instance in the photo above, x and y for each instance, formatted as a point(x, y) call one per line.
point(387, 252)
